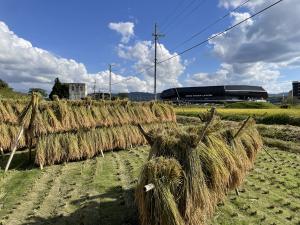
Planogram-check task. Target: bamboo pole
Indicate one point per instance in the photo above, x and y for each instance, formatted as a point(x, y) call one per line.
point(14, 148)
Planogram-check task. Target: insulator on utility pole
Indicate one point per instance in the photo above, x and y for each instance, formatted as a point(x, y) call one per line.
point(156, 36)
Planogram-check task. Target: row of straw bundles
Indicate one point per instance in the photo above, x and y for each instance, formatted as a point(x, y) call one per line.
point(10, 110)
point(189, 175)
point(56, 148)
point(7, 134)
point(62, 116)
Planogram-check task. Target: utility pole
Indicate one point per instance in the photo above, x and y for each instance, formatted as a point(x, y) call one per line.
point(156, 36)
point(95, 87)
point(110, 66)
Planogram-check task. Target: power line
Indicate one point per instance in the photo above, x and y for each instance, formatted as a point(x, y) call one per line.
point(179, 14)
point(208, 39)
point(188, 14)
point(170, 14)
point(211, 25)
point(221, 33)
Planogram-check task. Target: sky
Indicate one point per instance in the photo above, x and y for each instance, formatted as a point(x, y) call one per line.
point(76, 40)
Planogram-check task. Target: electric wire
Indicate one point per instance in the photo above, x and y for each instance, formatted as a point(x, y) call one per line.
point(177, 20)
point(220, 33)
point(174, 11)
point(179, 14)
point(208, 39)
point(210, 25)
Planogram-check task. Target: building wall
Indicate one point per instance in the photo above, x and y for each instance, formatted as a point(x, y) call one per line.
point(296, 89)
point(77, 90)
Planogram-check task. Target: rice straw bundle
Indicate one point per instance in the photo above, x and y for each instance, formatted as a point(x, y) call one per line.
point(64, 147)
point(209, 167)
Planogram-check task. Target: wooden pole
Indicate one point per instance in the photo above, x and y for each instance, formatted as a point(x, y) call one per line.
point(212, 113)
point(30, 147)
point(242, 127)
point(14, 147)
point(269, 154)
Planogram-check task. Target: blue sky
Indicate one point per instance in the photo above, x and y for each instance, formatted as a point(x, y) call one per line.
point(79, 30)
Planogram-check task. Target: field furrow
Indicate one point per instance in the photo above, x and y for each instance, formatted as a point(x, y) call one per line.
point(31, 200)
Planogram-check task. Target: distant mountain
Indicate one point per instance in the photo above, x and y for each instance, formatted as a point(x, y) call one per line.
point(141, 96)
point(285, 94)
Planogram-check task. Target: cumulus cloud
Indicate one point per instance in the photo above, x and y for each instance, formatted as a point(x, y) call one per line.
point(118, 81)
point(255, 52)
point(126, 29)
point(142, 55)
point(24, 66)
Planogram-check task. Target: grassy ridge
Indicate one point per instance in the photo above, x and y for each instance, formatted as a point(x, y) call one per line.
point(8, 93)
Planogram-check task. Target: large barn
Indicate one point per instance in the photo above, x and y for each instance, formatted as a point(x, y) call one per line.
point(215, 94)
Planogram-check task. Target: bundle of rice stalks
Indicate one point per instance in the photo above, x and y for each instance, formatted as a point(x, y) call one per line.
point(8, 134)
point(168, 177)
point(64, 147)
point(213, 160)
point(63, 116)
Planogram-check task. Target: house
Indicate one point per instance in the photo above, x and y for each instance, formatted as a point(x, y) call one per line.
point(77, 90)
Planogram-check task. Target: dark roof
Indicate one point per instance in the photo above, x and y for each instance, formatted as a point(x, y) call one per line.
point(243, 88)
point(215, 92)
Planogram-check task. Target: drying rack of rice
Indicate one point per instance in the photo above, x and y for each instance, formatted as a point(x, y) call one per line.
point(190, 170)
point(64, 131)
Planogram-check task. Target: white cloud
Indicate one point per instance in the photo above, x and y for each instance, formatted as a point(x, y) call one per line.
point(142, 54)
point(120, 83)
point(255, 52)
point(24, 66)
point(126, 29)
point(235, 3)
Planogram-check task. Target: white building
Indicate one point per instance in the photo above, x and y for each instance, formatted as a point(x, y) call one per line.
point(77, 90)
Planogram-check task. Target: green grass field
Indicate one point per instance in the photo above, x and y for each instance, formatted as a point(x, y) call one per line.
point(100, 190)
point(7, 93)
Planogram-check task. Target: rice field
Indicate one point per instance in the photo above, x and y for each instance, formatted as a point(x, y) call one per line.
point(265, 116)
point(241, 112)
point(101, 190)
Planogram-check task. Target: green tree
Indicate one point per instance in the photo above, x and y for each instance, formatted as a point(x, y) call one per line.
point(122, 96)
point(39, 90)
point(59, 89)
point(3, 84)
